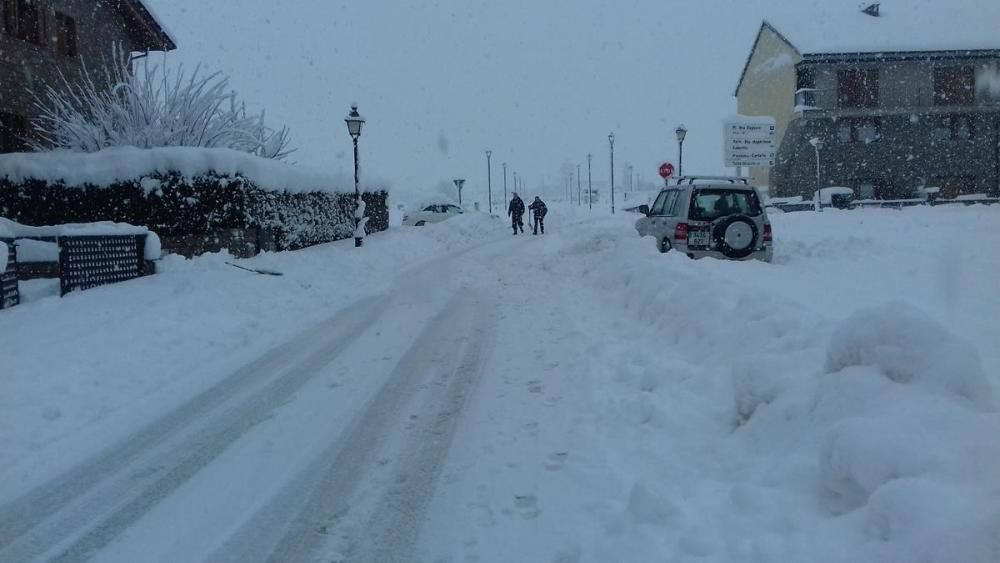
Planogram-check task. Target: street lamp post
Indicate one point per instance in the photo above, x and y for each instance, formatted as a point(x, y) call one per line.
point(579, 190)
point(817, 144)
point(590, 184)
point(354, 122)
point(489, 179)
point(505, 183)
point(611, 141)
point(681, 132)
point(459, 183)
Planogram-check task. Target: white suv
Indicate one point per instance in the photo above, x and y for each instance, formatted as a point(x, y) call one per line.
point(723, 218)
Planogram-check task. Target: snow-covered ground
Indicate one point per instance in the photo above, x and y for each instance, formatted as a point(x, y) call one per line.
point(453, 393)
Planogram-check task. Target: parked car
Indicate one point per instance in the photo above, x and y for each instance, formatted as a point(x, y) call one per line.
point(434, 213)
point(709, 216)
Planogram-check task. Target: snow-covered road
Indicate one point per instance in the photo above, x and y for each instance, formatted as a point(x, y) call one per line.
point(458, 394)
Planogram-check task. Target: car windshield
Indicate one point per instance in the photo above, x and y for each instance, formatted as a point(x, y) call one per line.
point(711, 204)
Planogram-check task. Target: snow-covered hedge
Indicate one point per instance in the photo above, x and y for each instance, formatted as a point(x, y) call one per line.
point(180, 192)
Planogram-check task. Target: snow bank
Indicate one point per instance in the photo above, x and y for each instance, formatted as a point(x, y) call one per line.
point(909, 348)
point(837, 405)
point(129, 163)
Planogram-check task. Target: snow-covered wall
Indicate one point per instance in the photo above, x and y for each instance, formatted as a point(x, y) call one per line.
point(109, 166)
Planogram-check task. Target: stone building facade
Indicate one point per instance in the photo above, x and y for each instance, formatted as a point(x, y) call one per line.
point(39, 39)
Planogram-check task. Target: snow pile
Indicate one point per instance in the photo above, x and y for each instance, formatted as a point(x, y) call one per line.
point(797, 411)
point(909, 348)
point(122, 164)
point(910, 422)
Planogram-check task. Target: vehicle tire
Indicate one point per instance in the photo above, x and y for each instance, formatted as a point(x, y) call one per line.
point(736, 237)
point(664, 245)
point(420, 223)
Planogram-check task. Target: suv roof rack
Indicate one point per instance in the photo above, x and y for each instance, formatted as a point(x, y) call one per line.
point(731, 179)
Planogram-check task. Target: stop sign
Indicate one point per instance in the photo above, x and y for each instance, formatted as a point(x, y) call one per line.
point(666, 170)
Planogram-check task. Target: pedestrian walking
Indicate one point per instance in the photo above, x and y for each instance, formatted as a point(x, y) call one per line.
point(516, 213)
point(538, 210)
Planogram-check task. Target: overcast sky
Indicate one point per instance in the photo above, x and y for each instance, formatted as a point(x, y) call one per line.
point(540, 82)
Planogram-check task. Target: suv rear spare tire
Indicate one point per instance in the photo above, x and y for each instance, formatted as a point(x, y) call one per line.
point(736, 236)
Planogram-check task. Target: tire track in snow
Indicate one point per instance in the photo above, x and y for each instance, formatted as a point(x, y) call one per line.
point(299, 520)
point(394, 528)
point(117, 487)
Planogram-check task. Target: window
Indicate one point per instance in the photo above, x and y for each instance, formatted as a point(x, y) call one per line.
point(953, 128)
point(664, 204)
point(65, 35)
point(24, 19)
point(859, 129)
point(13, 132)
point(857, 88)
point(955, 86)
point(805, 86)
point(711, 204)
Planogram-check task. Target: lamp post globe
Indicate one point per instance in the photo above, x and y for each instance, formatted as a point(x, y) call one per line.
point(681, 133)
point(354, 123)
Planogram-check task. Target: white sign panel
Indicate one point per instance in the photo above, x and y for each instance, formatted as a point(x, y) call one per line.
point(750, 142)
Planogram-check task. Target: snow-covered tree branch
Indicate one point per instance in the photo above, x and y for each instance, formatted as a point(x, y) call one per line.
point(151, 107)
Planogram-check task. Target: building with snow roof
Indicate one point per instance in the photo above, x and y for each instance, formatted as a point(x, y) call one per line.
point(901, 96)
point(41, 38)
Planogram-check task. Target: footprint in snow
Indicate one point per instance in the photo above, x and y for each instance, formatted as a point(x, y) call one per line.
point(532, 428)
point(527, 506)
point(556, 461)
point(535, 386)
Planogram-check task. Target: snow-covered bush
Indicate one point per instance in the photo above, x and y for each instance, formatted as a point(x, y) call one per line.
point(150, 108)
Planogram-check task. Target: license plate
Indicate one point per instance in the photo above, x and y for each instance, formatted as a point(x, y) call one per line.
point(698, 238)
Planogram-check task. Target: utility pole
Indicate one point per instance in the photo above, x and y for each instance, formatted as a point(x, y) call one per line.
point(590, 185)
point(611, 141)
point(489, 179)
point(579, 202)
point(505, 183)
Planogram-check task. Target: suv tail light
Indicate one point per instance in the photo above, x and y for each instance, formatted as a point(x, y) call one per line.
point(767, 232)
point(681, 231)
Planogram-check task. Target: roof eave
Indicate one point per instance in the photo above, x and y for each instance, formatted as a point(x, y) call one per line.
point(154, 36)
point(902, 55)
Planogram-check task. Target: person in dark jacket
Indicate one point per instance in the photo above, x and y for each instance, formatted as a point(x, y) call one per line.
point(538, 208)
point(516, 213)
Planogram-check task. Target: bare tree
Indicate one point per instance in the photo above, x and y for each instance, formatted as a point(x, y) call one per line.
point(150, 108)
